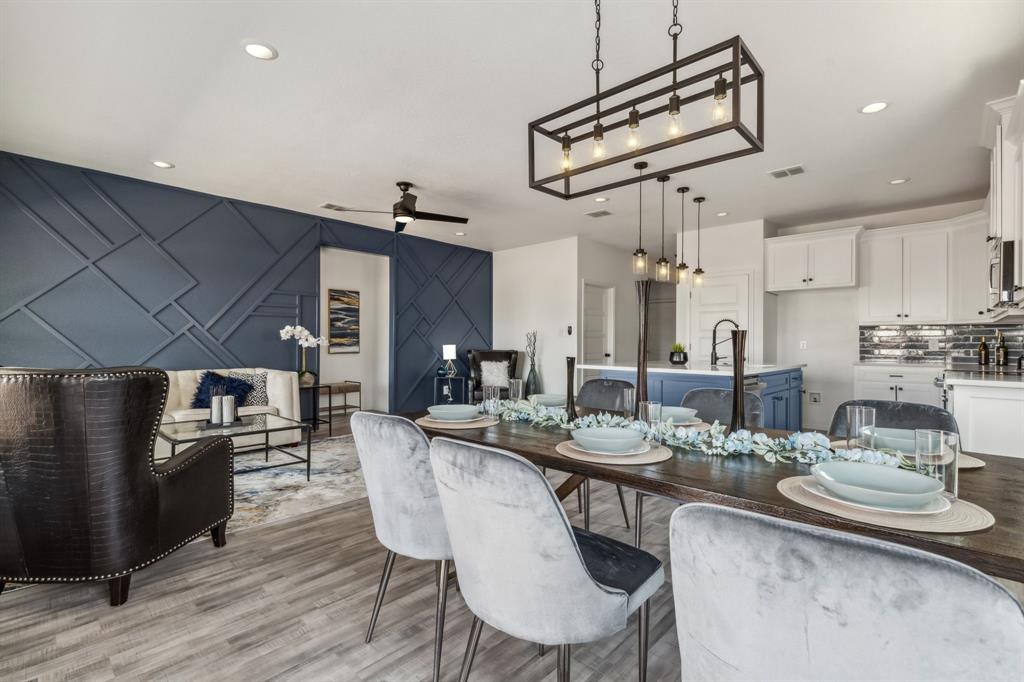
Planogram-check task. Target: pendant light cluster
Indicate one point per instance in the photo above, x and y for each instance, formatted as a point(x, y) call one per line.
point(664, 270)
point(714, 75)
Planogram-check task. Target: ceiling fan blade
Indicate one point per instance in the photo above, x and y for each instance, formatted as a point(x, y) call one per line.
point(343, 209)
point(438, 217)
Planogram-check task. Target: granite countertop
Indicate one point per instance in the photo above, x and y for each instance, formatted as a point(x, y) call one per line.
point(701, 368)
point(988, 377)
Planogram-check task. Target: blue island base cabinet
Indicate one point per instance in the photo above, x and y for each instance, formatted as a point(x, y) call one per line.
point(782, 393)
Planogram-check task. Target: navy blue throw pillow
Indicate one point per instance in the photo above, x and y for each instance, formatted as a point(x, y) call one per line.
point(210, 382)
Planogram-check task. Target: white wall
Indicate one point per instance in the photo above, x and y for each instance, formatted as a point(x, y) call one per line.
point(827, 320)
point(370, 276)
point(729, 249)
point(536, 288)
point(610, 266)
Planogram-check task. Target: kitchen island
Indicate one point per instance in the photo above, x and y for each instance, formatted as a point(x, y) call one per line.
point(779, 386)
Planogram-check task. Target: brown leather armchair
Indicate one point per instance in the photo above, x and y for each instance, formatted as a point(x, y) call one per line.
point(476, 391)
point(80, 495)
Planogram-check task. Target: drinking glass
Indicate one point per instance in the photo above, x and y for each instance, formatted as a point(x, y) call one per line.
point(650, 412)
point(515, 389)
point(936, 455)
point(628, 400)
point(492, 396)
point(860, 427)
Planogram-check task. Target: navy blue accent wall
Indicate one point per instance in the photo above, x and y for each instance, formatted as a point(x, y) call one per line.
point(99, 270)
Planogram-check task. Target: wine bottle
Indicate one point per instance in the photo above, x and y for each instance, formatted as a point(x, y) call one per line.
point(983, 352)
point(1002, 352)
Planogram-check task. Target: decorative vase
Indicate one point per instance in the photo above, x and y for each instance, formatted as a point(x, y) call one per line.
point(643, 297)
point(306, 377)
point(680, 358)
point(532, 382)
point(570, 386)
point(739, 344)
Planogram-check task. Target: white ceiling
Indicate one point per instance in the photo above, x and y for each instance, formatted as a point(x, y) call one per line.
point(439, 93)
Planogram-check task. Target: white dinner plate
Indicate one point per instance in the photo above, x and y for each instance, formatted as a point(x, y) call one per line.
point(692, 421)
point(458, 421)
point(639, 450)
point(936, 506)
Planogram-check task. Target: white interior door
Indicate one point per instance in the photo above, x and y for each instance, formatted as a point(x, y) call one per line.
point(596, 327)
point(720, 296)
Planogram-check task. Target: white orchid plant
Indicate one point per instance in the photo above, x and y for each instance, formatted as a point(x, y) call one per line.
point(803, 447)
point(305, 339)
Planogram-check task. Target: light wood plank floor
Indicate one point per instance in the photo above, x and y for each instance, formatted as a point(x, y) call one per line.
point(291, 600)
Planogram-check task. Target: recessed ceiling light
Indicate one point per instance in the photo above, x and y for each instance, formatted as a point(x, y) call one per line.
point(460, 234)
point(600, 200)
point(260, 51)
point(898, 181)
point(874, 107)
point(722, 214)
point(163, 164)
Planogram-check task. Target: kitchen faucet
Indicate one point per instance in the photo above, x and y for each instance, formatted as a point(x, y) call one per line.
point(715, 357)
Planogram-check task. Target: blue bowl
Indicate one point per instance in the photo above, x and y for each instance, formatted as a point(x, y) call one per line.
point(678, 415)
point(877, 485)
point(609, 439)
point(453, 412)
point(548, 399)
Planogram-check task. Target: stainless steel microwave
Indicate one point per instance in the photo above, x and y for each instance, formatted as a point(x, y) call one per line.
point(1000, 273)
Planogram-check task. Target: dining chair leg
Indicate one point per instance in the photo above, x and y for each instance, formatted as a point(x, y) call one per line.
point(564, 662)
point(467, 659)
point(579, 499)
point(389, 562)
point(586, 503)
point(442, 600)
point(643, 628)
point(541, 650)
point(639, 522)
point(622, 503)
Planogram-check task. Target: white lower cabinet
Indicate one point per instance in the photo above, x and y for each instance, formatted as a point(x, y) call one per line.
point(901, 384)
point(990, 418)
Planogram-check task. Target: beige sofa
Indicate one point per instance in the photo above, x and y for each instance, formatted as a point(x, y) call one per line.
point(282, 396)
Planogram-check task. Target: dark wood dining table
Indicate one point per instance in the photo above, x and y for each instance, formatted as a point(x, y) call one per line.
point(748, 482)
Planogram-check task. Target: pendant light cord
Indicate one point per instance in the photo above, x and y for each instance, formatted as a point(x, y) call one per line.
point(682, 228)
point(662, 218)
point(640, 213)
point(674, 29)
point(597, 64)
point(698, 235)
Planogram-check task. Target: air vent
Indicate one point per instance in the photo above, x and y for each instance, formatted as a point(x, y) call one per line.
point(780, 173)
point(332, 207)
point(600, 213)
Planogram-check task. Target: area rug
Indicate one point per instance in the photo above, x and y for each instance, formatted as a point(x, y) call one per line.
point(275, 494)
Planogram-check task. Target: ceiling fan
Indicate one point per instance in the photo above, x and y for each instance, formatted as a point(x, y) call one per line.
point(404, 211)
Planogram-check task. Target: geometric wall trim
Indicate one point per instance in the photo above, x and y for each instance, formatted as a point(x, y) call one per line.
point(99, 270)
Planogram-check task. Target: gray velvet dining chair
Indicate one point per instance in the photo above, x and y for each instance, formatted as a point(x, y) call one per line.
point(892, 414)
point(760, 598)
point(394, 456)
point(523, 569)
point(604, 395)
point(716, 404)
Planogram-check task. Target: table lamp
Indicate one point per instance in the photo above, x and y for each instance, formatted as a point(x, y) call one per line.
point(448, 354)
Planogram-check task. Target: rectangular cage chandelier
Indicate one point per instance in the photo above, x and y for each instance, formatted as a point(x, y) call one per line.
point(684, 115)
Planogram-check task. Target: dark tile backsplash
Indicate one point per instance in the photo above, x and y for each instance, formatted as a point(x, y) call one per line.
point(937, 343)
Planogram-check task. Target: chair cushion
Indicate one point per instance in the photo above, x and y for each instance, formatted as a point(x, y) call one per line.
point(620, 566)
point(494, 373)
point(211, 381)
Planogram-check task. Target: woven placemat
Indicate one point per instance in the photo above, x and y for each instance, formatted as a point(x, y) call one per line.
point(657, 453)
point(961, 517)
point(456, 426)
point(964, 461)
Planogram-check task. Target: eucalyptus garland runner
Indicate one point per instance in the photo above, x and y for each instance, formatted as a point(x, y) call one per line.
point(807, 448)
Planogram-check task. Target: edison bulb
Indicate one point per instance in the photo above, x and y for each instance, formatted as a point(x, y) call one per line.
point(566, 160)
point(675, 124)
point(633, 139)
point(681, 274)
point(698, 279)
point(719, 114)
point(598, 149)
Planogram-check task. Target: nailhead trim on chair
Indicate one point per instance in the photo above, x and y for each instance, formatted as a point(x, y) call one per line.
point(152, 468)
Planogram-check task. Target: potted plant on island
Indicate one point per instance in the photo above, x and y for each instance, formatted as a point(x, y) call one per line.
point(306, 341)
point(678, 355)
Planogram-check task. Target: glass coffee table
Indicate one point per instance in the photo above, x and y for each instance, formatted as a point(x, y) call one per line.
point(182, 433)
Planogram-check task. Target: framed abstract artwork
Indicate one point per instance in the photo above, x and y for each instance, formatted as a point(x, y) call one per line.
point(343, 315)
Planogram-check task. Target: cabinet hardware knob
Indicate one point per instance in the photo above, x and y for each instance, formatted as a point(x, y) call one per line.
point(810, 279)
point(981, 312)
point(892, 388)
point(899, 388)
point(804, 279)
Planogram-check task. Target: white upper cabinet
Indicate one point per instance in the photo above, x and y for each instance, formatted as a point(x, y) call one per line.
point(968, 272)
point(1003, 133)
point(812, 261)
point(905, 276)
point(925, 277)
point(881, 290)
